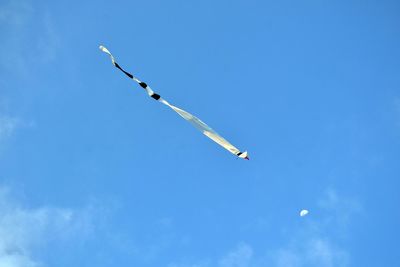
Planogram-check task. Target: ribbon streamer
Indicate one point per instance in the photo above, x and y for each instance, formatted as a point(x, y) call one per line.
point(196, 122)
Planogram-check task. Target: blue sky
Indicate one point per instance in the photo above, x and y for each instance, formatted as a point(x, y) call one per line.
point(93, 172)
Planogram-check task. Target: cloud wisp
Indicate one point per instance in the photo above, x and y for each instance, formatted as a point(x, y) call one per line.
point(314, 243)
point(24, 230)
point(311, 244)
point(20, 48)
point(7, 126)
point(313, 251)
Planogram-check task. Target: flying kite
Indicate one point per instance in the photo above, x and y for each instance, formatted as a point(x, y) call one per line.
point(201, 126)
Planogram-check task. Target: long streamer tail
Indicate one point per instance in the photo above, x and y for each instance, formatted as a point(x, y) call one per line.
point(196, 122)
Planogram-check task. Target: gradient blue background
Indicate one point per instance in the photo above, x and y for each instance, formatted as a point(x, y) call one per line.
point(310, 88)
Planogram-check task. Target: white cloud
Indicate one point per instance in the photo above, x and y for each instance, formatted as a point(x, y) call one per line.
point(7, 126)
point(240, 257)
point(286, 258)
point(21, 48)
point(313, 251)
point(397, 110)
point(202, 264)
point(23, 230)
point(312, 244)
point(338, 209)
point(15, 12)
point(322, 253)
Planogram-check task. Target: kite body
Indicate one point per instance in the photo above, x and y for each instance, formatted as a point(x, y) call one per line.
point(196, 122)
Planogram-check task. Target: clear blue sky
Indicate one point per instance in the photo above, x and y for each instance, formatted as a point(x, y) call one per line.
point(93, 172)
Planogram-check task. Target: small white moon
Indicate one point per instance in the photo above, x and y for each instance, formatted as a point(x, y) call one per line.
point(303, 213)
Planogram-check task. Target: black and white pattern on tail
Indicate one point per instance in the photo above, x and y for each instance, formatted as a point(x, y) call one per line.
point(196, 122)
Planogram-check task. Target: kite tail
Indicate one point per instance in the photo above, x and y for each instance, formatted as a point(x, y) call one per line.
point(196, 122)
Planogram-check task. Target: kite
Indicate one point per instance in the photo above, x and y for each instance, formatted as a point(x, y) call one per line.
point(201, 126)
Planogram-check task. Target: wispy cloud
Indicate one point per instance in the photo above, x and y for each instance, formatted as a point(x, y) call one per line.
point(201, 264)
point(315, 243)
point(240, 257)
point(7, 126)
point(397, 110)
point(15, 12)
point(312, 244)
point(338, 209)
point(312, 251)
point(14, 15)
point(23, 230)
point(20, 49)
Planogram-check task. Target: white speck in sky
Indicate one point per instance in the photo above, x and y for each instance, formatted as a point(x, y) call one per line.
point(303, 213)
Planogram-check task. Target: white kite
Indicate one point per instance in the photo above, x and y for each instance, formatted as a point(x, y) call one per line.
point(204, 128)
